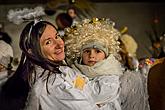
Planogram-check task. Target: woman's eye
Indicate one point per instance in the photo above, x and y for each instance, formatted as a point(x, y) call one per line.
point(48, 42)
point(58, 36)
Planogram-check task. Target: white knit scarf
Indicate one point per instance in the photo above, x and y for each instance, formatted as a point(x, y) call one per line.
point(109, 66)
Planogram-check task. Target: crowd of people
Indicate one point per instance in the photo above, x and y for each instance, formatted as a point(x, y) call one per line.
point(80, 69)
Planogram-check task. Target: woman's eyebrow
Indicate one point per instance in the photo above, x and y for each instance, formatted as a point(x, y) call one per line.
point(45, 40)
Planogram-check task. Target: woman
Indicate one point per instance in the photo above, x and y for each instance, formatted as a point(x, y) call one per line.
point(92, 45)
point(52, 85)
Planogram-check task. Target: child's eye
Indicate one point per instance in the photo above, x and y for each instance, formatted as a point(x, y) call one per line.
point(98, 51)
point(86, 51)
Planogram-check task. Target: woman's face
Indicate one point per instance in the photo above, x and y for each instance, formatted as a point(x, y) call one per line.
point(91, 56)
point(52, 46)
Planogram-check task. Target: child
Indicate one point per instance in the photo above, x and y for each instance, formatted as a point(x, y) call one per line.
point(92, 47)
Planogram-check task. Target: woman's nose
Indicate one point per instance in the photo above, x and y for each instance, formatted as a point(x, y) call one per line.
point(58, 44)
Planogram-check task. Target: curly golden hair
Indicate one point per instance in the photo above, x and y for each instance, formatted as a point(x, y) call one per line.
point(88, 31)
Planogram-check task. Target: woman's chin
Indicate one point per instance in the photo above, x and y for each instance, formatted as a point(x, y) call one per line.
point(60, 57)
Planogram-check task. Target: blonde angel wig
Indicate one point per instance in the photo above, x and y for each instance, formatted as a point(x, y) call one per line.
point(89, 31)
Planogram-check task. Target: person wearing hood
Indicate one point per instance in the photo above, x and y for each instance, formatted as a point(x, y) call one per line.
point(92, 47)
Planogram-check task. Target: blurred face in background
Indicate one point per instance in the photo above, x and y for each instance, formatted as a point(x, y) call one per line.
point(72, 13)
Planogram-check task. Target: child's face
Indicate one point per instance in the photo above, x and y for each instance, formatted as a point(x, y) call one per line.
point(91, 56)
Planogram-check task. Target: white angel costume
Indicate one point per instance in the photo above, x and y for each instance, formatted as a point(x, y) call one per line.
point(104, 83)
point(62, 94)
point(110, 87)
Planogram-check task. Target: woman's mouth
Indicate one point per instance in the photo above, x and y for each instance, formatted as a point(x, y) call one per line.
point(58, 51)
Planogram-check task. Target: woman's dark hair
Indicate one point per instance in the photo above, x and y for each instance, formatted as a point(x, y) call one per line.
point(17, 87)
